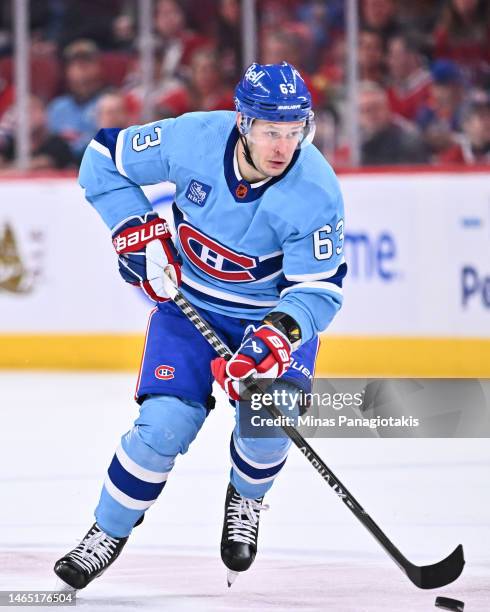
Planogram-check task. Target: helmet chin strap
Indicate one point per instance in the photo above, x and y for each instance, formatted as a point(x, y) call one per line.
point(246, 152)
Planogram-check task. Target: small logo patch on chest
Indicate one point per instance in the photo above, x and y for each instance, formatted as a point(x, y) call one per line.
point(241, 191)
point(198, 192)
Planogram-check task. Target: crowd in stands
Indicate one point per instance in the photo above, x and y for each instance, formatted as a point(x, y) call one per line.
point(424, 72)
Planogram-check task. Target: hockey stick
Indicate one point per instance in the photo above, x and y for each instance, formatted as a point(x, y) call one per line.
point(426, 576)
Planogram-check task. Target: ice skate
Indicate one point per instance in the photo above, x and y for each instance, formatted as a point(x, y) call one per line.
point(240, 532)
point(88, 560)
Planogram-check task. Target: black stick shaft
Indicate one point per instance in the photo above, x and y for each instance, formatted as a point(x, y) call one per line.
point(431, 576)
point(320, 466)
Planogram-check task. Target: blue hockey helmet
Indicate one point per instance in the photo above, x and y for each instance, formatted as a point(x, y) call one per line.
point(273, 92)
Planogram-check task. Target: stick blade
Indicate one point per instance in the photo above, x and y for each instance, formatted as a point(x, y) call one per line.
point(439, 574)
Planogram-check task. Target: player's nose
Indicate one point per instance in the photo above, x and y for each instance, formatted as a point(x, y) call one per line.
point(281, 146)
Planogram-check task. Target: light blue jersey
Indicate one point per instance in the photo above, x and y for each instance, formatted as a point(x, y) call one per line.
point(74, 121)
point(247, 249)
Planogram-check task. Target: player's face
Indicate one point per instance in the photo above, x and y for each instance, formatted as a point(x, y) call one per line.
point(272, 145)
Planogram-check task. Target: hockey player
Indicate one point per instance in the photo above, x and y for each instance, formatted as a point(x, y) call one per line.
point(258, 250)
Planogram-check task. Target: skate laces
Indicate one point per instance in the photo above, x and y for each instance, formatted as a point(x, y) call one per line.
point(95, 550)
point(243, 518)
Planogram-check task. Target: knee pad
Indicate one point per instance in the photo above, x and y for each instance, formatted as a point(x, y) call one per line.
point(169, 424)
point(264, 450)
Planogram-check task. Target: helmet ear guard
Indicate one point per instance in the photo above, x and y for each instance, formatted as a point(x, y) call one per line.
point(308, 131)
point(245, 123)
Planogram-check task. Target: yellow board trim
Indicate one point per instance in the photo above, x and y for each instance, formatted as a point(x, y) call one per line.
point(72, 352)
point(338, 355)
point(402, 356)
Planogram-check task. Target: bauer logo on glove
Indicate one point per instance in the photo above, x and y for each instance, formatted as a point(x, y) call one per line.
point(134, 239)
point(265, 352)
point(146, 252)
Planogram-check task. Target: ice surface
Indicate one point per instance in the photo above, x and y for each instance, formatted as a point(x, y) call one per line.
point(59, 432)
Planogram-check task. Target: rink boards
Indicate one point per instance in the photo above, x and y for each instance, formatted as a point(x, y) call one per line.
point(416, 300)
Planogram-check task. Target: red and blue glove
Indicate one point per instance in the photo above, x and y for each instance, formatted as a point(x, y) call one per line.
point(146, 252)
point(264, 352)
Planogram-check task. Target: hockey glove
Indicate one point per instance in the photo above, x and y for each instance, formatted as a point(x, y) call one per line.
point(146, 252)
point(264, 352)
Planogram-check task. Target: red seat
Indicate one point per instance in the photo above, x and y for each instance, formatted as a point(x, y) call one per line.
point(45, 75)
point(115, 66)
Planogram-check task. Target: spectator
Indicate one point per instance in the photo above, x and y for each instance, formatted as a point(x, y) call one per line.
point(6, 94)
point(324, 22)
point(175, 46)
point(371, 57)
point(93, 19)
point(47, 150)
point(276, 14)
point(72, 116)
point(6, 29)
point(409, 80)
point(463, 34)
point(324, 19)
point(176, 41)
point(124, 33)
point(112, 111)
point(384, 140)
point(418, 16)
point(281, 46)
point(330, 77)
point(201, 15)
point(473, 145)
point(228, 38)
point(380, 16)
point(440, 118)
point(205, 90)
point(288, 46)
point(134, 91)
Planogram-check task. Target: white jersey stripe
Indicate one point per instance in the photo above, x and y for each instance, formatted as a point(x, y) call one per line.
point(269, 255)
point(136, 470)
point(316, 285)
point(249, 479)
point(234, 298)
point(100, 148)
point(125, 500)
point(316, 276)
point(119, 150)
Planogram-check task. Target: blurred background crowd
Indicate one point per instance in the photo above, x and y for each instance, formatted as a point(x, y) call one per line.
point(423, 65)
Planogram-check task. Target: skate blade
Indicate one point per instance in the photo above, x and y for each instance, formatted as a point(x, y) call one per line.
point(62, 587)
point(231, 577)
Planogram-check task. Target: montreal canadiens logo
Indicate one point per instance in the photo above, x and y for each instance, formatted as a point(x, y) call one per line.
point(215, 259)
point(164, 372)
